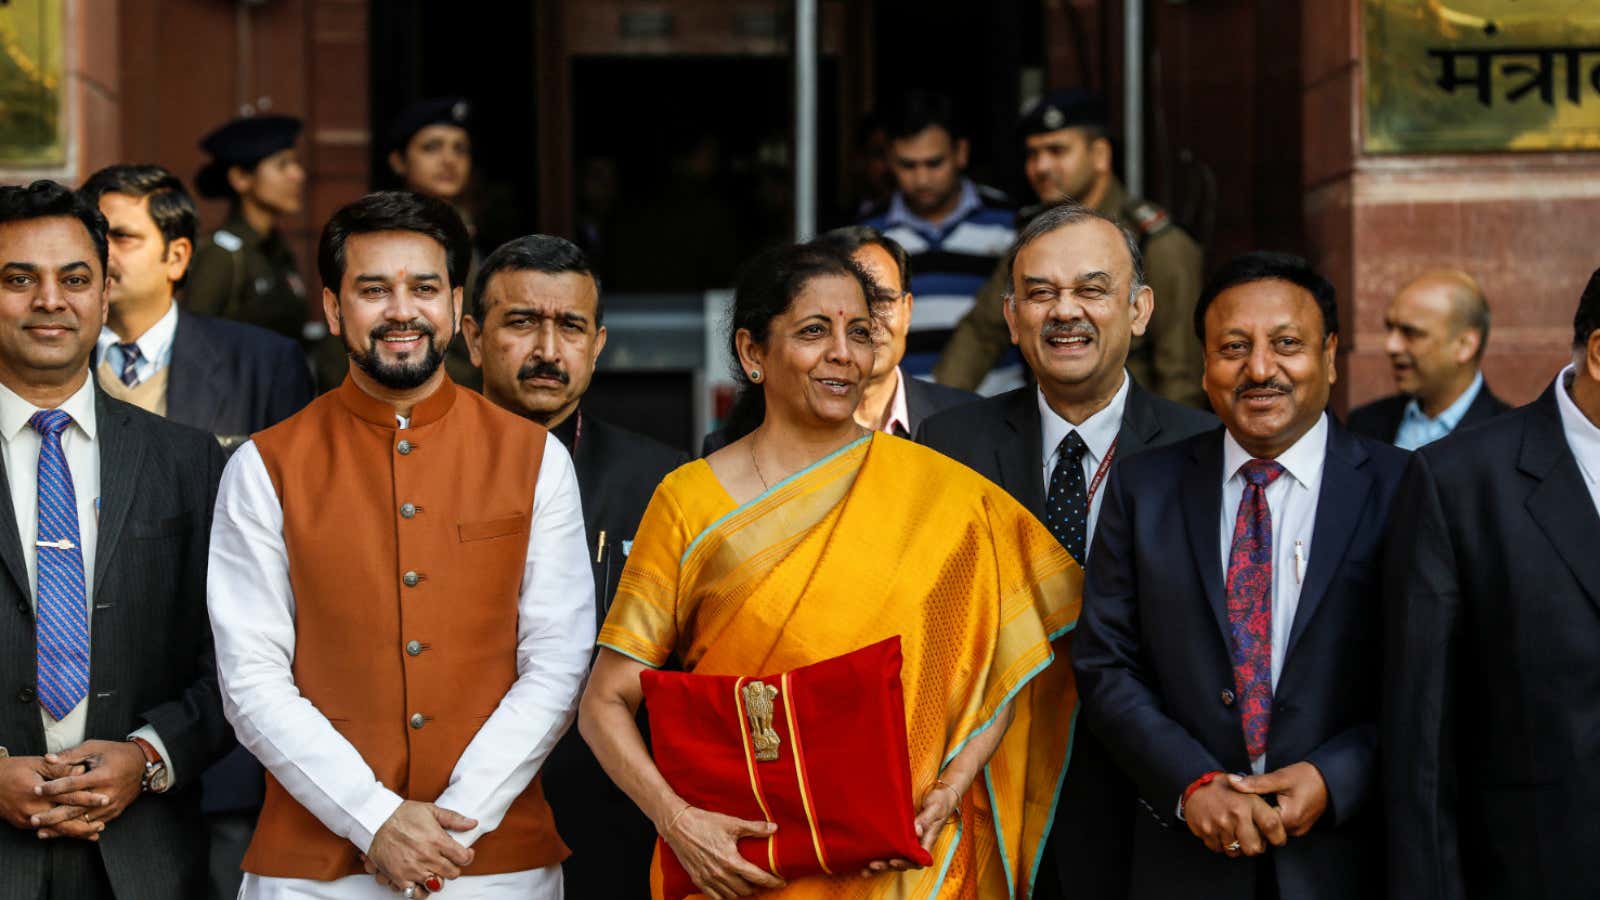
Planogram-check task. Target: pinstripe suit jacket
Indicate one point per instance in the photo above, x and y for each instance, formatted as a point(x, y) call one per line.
point(150, 657)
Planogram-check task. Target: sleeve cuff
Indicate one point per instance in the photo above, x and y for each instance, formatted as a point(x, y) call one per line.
point(371, 816)
point(148, 732)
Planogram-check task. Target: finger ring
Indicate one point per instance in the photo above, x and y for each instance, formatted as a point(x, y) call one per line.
point(1233, 847)
point(433, 884)
point(410, 892)
point(86, 817)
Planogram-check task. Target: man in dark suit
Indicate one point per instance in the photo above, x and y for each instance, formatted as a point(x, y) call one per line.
point(536, 332)
point(1230, 619)
point(1438, 329)
point(105, 514)
point(228, 378)
point(1492, 682)
point(891, 401)
point(1077, 299)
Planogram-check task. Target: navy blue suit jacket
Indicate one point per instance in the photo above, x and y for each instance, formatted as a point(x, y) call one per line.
point(1155, 675)
point(234, 379)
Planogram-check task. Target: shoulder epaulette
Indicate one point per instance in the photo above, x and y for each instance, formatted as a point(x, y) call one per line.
point(227, 240)
point(1151, 219)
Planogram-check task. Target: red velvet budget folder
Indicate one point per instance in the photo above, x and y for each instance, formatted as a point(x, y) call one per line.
point(820, 750)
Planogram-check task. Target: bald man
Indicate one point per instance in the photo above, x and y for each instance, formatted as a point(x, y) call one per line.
point(1438, 327)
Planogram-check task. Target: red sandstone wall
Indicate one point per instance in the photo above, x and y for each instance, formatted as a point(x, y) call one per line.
point(1522, 223)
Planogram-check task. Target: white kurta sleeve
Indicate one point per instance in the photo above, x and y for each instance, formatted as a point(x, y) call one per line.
point(252, 618)
point(555, 637)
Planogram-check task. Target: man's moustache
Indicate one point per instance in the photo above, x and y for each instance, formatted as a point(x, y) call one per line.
point(543, 370)
point(1275, 386)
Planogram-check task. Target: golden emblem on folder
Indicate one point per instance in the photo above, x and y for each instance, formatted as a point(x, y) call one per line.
point(758, 697)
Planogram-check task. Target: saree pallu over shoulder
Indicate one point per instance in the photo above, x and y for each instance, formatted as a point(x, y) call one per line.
point(882, 538)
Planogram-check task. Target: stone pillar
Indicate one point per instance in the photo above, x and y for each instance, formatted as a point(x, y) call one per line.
point(1522, 223)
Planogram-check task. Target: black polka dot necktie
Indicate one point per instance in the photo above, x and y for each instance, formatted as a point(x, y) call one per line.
point(1066, 507)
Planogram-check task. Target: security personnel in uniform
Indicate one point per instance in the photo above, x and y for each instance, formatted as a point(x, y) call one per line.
point(244, 270)
point(430, 152)
point(1068, 155)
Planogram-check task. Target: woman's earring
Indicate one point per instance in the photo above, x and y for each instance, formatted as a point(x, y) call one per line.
point(755, 375)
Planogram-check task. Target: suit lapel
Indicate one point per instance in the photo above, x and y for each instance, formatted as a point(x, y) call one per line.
point(918, 403)
point(10, 540)
point(1340, 501)
point(192, 395)
point(1140, 425)
point(122, 451)
point(1561, 504)
point(584, 465)
point(1021, 459)
point(1202, 513)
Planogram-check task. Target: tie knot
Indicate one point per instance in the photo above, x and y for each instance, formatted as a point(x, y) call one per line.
point(1261, 472)
point(130, 351)
point(1072, 447)
point(50, 421)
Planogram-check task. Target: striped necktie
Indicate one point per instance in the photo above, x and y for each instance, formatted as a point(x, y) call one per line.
point(61, 620)
point(130, 363)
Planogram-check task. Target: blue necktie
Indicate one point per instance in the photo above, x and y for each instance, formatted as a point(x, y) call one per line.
point(130, 363)
point(62, 617)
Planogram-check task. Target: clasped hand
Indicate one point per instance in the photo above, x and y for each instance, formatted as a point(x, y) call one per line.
point(73, 793)
point(1230, 816)
point(415, 843)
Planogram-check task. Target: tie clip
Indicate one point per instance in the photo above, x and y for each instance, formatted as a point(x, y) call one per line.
point(63, 544)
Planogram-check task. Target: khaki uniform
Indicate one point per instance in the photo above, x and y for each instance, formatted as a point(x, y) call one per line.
point(242, 275)
point(1168, 360)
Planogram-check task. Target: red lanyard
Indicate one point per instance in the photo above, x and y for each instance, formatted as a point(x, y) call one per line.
point(1105, 467)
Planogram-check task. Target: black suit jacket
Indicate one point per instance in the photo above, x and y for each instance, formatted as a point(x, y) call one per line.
point(1000, 437)
point(1381, 419)
point(234, 379)
point(923, 399)
point(1151, 654)
point(151, 659)
point(1492, 713)
point(611, 840)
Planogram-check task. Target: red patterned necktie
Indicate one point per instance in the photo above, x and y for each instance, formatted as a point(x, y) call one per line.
point(1249, 593)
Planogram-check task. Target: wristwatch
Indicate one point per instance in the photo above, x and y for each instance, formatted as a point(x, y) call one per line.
point(156, 777)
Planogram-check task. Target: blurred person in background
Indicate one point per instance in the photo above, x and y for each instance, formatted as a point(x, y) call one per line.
point(1437, 330)
point(1067, 145)
point(954, 229)
point(244, 270)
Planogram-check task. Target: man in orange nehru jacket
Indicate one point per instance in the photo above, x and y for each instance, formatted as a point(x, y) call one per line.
point(401, 600)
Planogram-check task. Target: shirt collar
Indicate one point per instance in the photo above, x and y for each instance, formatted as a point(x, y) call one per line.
point(1452, 414)
point(1583, 436)
point(900, 214)
point(15, 411)
point(899, 412)
point(1098, 431)
point(155, 345)
point(1302, 461)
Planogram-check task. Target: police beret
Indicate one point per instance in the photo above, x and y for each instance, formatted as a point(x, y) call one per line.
point(242, 142)
point(419, 115)
point(1070, 108)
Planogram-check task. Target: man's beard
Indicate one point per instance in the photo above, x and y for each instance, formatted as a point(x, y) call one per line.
point(400, 376)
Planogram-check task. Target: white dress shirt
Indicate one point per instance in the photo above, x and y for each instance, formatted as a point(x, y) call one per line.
point(1292, 500)
point(155, 345)
point(82, 451)
point(899, 412)
point(252, 616)
point(1099, 432)
point(1583, 436)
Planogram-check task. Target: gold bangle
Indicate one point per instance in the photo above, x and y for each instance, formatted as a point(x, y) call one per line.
point(955, 809)
point(675, 817)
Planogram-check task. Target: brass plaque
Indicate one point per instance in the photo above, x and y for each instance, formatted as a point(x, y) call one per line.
point(1481, 75)
point(31, 47)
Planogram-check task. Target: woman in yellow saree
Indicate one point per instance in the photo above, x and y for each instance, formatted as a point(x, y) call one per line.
point(810, 538)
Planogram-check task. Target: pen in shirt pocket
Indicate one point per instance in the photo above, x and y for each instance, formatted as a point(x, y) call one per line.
point(1299, 562)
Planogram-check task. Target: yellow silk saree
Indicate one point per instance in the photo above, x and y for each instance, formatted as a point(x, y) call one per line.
point(881, 538)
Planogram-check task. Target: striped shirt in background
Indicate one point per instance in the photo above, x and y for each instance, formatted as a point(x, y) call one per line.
point(949, 262)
